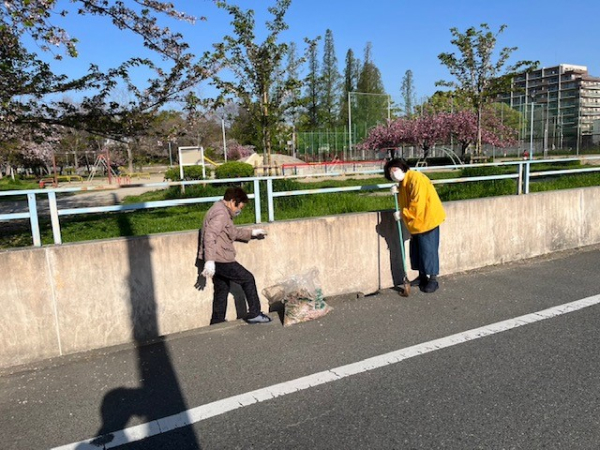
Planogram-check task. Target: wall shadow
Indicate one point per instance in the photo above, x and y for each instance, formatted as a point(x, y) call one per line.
point(159, 394)
point(388, 230)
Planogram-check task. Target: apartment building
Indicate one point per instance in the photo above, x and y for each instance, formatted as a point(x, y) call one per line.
point(566, 103)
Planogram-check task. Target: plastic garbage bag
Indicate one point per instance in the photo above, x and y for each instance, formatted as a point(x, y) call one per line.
point(301, 296)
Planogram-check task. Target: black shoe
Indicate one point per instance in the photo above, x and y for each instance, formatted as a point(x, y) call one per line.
point(431, 286)
point(421, 280)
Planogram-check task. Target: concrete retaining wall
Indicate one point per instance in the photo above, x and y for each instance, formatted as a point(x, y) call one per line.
point(77, 297)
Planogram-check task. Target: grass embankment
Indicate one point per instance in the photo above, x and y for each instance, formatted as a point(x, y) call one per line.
point(8, 184)
point(160, 220)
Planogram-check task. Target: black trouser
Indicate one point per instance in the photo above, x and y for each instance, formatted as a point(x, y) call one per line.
point(225, 273)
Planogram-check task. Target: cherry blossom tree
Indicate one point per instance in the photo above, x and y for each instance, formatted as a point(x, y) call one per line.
point(384, 136)
point(236, 151)
point(463, 127)
point(427, 130)
point(430, 129)
point(479, 74)
point(262, 83)
point(30, 89)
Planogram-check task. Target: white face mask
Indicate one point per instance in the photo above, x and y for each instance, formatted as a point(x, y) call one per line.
point(397, 174)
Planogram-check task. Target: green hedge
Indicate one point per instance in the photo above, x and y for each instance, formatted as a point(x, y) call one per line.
point(432, 161)
point(234, 169)
point(189, 173)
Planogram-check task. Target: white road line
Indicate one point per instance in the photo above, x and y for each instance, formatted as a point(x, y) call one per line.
point(219, 407)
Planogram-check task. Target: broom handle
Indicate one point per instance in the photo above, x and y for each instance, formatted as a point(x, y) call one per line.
point(400, 236)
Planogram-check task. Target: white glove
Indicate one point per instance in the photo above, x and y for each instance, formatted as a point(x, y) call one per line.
point(257, 232)
point(209, 269)
point(397, 216)
point(394, 190)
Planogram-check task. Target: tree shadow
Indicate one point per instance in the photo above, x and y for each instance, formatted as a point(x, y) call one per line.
point(387, 228)
point(159, 394)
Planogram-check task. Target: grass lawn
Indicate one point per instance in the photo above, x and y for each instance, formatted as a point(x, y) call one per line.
point(180, 218)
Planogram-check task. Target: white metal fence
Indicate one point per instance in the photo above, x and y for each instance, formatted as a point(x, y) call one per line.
point(522, 174)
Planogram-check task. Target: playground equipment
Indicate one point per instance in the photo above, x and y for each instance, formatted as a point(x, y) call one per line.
point(452, 155)
point(102, 162)
point(193, 156)
point(422, 162)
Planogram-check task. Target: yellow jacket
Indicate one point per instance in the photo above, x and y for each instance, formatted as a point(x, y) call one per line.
point(420, 204)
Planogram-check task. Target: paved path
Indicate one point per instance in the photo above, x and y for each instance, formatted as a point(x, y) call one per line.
point(100, 194)
point(530, 384)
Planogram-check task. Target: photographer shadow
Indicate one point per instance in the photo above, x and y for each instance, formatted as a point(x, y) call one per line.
point(159, 393)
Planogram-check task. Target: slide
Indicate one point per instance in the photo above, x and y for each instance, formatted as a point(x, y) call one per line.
point(212, 162)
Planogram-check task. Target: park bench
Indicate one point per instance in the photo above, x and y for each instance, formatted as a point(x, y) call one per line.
point(475, 159)
point(59, 179)
point(69, 178)
point(138, 175)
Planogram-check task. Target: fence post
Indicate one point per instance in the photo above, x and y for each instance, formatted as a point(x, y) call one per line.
point(54, 217)
point(520, 179)
point(33, 219)
point(270, 206)
point(257, 211)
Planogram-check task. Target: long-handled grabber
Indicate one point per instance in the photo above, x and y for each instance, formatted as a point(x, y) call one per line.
point(406, 287)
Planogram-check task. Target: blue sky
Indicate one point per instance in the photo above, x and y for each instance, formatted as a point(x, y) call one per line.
point(404, 35)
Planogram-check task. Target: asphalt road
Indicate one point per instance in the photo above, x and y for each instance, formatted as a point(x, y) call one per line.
point(529, 386)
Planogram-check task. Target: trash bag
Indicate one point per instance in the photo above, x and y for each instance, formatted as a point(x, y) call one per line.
point(301, 296)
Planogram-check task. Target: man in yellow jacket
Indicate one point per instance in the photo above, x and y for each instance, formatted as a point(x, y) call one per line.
point(422, 212)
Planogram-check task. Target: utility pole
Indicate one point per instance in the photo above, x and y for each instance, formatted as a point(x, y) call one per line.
point(578, 124)
point(224, 141)
point(389, 108)
point(546, 132)
point(349, 126)
point(531, 132)
point(54, 175)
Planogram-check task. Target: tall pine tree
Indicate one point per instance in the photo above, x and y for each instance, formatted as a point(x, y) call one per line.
point(350, 81)
point(371, 105)
point(294, 96)
point(408, 93)
point(330, 84)
point(312, 92)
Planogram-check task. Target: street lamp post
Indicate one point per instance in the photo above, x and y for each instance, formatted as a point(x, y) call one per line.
point(531, 132)
point(349, 127)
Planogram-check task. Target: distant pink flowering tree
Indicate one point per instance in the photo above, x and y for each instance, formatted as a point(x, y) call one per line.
point(423, 132)
point(427, 130)
point(430, 129)
point(463, 126)
point(389, 135)
point(237, 151)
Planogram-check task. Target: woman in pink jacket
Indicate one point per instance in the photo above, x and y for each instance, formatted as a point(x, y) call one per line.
point(218, 253)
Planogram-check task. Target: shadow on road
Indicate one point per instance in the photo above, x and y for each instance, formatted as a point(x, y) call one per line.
point(159, 394)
